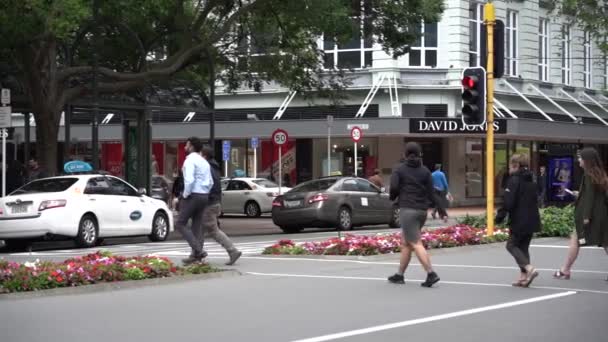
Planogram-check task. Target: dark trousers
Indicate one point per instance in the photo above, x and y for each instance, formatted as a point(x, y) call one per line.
point(192, 208)
point(442, 196)
point(519, 247)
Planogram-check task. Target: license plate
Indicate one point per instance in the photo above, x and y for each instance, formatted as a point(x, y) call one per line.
point(19, 209)
point(292, 204)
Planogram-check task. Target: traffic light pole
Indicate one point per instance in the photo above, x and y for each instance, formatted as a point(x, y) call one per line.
point(490, 21)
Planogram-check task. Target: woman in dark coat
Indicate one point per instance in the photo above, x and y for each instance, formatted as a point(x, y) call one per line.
point(591, 210)
point(521, 205)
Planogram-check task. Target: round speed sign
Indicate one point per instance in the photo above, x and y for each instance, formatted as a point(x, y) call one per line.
point(279, 137)
point(356, 134)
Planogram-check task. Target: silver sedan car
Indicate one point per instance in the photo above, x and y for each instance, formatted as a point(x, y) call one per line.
point(341, 202)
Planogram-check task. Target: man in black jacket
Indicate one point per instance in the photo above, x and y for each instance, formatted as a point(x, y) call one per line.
point(213, 210)
point(520, 203)
point(412, 184)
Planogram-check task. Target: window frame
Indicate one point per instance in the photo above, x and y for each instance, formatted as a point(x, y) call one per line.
point(566, 47)
point(512, 44)
point(335, 51)
point(477, 8)
point(423, 48)
point(587, 60)
point(544, 49)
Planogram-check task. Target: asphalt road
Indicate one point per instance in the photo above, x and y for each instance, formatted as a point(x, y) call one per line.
point(241, 229)
point(337, 299)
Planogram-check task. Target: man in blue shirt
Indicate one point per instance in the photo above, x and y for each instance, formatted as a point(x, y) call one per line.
point(440, 183)
point(198, 182)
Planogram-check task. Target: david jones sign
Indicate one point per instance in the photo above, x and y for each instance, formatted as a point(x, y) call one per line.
point(453, 126)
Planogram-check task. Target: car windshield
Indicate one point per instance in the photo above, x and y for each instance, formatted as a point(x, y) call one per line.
point(315, 185)
point(265, 183)
point(46, 185)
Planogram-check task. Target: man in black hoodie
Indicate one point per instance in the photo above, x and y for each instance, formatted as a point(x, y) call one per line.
point(412, 184)
point(213, 210)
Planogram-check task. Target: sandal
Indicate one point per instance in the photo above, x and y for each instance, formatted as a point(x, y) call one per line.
point(561, 275)
point(531, 275)
point(518, 283)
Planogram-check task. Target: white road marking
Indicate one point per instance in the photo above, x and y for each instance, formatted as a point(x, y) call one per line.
point(429, 319)
point(420, 281)
point(412, 264)
point(564, 247)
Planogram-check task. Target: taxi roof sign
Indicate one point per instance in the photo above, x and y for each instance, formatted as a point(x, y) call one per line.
point(77, 166)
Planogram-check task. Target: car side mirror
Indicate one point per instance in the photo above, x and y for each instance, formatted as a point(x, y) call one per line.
point(141, 191)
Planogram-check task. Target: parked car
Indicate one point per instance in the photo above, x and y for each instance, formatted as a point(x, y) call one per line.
point(249, 196)
point(86, 208)
point(342, 202)
point(160, 188)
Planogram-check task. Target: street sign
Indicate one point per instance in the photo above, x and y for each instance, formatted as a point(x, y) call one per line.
point(5, 117)
point(362, 126)
point(5, 98)
point(356, 134)
point(330, 120)
point(226, 150)
point(255, 141)
point(279, 137)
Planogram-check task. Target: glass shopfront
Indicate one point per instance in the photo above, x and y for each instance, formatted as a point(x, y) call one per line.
point(343, 157)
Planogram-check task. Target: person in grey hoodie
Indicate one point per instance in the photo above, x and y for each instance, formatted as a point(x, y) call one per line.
point(213, 210)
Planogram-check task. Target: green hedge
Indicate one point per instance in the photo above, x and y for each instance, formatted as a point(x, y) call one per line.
point(555, 221)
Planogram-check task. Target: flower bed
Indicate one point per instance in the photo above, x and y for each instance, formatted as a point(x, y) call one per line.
point(94, 268)
point(459, 235)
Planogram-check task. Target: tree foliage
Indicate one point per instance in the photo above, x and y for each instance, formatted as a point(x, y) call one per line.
point(48, 45)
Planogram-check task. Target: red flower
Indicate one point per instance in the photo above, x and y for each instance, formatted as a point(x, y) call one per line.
point(54, 274)
point(59, 279)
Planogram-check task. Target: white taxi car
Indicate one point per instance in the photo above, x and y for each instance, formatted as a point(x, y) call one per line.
point(83, 207)
point(249, 196)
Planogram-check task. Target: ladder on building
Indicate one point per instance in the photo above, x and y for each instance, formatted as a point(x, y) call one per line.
point(284, 105)
point(392, 88)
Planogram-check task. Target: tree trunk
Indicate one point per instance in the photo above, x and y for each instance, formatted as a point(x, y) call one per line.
point(47, 142)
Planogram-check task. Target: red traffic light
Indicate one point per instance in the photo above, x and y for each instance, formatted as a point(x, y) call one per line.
point(469, 82)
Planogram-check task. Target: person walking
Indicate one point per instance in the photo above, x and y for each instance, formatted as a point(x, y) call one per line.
point(195, 197)
point(213, 211)
point(176, 190)
point(35, 170)
point(542, 187)
point(520, 204)
point(440, 183)
point(376, 179)
point(591, 210)
point(412, 184)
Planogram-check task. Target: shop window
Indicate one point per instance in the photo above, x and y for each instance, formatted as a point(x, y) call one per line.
point(342, 157)
point(474, 168)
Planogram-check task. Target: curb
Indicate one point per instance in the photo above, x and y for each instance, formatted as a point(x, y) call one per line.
point(120, 285)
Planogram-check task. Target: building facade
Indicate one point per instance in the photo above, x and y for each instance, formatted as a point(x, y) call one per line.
point(550, 102)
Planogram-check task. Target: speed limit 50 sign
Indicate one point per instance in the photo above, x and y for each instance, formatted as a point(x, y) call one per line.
point(356, 134)
point(279, 137)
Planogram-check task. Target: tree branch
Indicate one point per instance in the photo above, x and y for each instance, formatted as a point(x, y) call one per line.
point(169, 67)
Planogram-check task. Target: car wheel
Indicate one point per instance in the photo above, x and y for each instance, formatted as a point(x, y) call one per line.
point(252, 209)
point(88, 231)
point(395, 221)
point(17, 245)
point(291, 229)
point(160, 228)
point(345, 219)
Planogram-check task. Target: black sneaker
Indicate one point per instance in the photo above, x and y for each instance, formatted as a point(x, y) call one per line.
point(431, 279)
point(193, 258)
point(397, 279)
